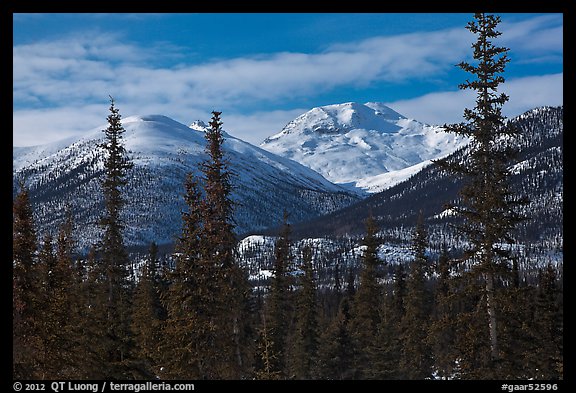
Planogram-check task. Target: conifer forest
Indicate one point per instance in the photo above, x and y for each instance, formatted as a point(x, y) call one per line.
point(380, 288)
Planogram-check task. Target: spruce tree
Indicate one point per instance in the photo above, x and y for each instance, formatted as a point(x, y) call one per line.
point(441, 329)
point(415, 360)
point(218, 249)
point(61, 310)
point(148, 315)
point(487, 205)
point(266, 362)
point(207, 334)
point(115, 264)
point(187, 300)
point(366, 305)
point(336, 350)
point(26, 294)
point(279, 307)
point(305, 342)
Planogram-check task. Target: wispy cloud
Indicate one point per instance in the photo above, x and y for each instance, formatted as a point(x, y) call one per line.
point(257, 126)
point(448, 106)
point(538, 35)
point(40, 126)
point(86, 66)
point(68, 75)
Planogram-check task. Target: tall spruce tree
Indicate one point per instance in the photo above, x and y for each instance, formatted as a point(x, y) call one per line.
point(279, 306)
point(441, 329)
point(148, 315)
point(26, 294)
point(487, 204)
point(188, 299)
point(61, 312)
point(366, 305)
point(206, 332)
point(219, 248)
point(415, 360)
point(305, 341)
point(115, 264)
point(336, 351)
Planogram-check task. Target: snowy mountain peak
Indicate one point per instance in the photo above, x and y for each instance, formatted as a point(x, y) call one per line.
point(198, 125)
point(351, 143)
point(334, 119)
point(158, 121)
point(385, 111)
point(163, 152)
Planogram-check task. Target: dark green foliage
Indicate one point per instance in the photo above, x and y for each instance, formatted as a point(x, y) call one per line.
point(416, 361)
point(62, 308)
point(148, 314)
point(279, 304)
point(441, 331)
point(488, 206)
point(206, 334)
point(26, 294)
point(115, 292)
point(336, 351)
point(305, 340)
point(366, 305)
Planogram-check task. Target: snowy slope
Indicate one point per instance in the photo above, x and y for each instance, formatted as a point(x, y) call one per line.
point(355, 144)
point(163, 151)
point(386, 180)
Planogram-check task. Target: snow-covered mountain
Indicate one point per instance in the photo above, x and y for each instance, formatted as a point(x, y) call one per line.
point(356, 144)
point(536, 173)
point(163, 151)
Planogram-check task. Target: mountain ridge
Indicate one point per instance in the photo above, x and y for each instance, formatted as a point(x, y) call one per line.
point(67, 172)
point(164, 151)
point(536, 173)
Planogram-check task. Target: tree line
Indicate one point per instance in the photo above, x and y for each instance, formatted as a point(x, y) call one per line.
point(463, 315)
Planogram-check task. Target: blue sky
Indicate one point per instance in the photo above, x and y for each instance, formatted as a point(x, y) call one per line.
point(262, 70)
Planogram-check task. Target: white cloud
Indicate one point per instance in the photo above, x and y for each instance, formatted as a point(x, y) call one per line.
point(32, 127)
point(541, 34)
point(40, 126)
point(85, 66)
point(256, 127)
point(448, 106)
point(60, 87)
